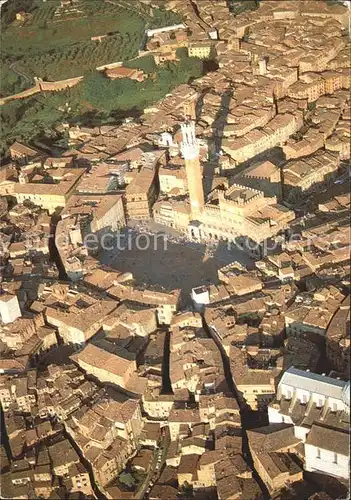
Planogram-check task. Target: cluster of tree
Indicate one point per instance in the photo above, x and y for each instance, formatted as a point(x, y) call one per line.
point(51, 52)
point(41, 49)
point(43, 15)
point(10, 82)
point(239, 6)
point(95, 101)
point(29, 118)
point(108, 95)
point(145, 63)
point(77, 59)
point(162, 17)
point(10, 9)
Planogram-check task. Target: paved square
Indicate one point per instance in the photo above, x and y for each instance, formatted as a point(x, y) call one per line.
point(174, 263)
point(164, 264)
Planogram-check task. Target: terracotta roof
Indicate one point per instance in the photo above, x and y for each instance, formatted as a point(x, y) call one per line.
point(261, 170)
point(22, 149)
point(121, 72)
point(99, 358)
point(329, 439)
point(272, 438)
point(61, 188)
point(188, 464)
point(163, 492)
point(185, 415)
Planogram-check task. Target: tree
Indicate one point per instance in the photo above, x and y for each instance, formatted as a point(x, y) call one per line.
point(182, 52)
point(146, 64)
point(127, 479)
point(95, 89)
point(107, 95)
point(9, 9)
point(189, 68)
point(162, 17)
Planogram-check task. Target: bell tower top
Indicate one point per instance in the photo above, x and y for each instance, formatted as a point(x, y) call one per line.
point(190, 145)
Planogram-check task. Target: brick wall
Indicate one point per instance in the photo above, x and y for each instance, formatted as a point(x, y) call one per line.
point(41, 86)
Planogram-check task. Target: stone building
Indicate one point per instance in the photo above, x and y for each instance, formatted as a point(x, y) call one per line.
point(120, 72)
point(304, 177)
point(9, 308)
point(140, 195)
point(172, 181)
point(338, 338)
point(310, 314)
point(172, 213)
point(23, 154)
point(275, 133)
point(166, 304)
point(273, 448)
point(264, 176)
point(202, 49)
point(49, 196)
point(105, 366)
point(255, 384)
point(76, 326)
point(319, 408)
point(238, 213)
point(97, 212)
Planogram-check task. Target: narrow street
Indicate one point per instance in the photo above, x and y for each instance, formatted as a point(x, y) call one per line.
point(4, 439)
point(54, 254)
point(243, 411)
point(166, 380)
point(98, 494)
point(154, 473)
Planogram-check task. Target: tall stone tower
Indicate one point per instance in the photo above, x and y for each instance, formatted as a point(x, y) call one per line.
point(190, 151)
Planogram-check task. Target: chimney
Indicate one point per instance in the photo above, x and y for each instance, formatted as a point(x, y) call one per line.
point(262, 65)
point(23, 178)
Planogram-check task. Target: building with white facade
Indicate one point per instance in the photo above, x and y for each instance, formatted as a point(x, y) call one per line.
point(319, 408)
point(327, 451)
point(200, 297)
point(9, 308)
point(165, 29)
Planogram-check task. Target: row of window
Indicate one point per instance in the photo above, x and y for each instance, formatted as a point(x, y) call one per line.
point(318, 455)
point(305, 399)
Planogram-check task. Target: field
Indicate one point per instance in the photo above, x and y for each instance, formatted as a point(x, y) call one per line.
point(95, 101)
point(54, 48)
point(10, 81)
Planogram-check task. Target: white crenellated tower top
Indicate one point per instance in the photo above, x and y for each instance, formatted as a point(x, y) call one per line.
point(189, 146)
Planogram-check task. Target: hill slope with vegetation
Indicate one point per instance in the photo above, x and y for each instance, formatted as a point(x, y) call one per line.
point(55, 47)
point(51, 49)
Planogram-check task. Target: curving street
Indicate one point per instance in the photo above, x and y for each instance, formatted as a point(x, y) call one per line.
point(245, 417)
